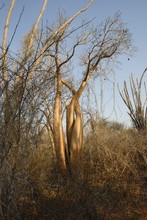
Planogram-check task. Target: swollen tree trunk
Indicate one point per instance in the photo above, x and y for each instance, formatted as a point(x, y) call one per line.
point(74, 122)
point(74, 126)
point(74, 131)
point(111, 42)
point(59, 139)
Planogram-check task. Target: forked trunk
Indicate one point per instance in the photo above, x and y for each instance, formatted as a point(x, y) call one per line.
point(59, 141)
point(74, 132)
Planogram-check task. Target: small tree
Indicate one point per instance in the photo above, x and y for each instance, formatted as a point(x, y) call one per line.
point(101, 44)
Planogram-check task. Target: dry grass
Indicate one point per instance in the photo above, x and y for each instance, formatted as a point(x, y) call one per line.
point(109, 182)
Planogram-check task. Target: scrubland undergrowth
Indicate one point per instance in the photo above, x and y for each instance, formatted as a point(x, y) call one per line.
point(109, 182)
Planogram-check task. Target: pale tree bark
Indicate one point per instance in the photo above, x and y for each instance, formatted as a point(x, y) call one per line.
point(4, 43)
point(35, 27)
point(106, 48)
point(5, 48)
point(21, 80)
point(58, 129)
point(20, 115)
point(59, 137)
point(29, 45)
point(51, 40)
point(103, 43)
point(74, 128)
point(74, 122)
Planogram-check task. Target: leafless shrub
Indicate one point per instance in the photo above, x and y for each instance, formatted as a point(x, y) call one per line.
point(137, 108)
point(115, 167)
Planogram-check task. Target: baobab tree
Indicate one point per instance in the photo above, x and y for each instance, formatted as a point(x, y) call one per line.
point(100, 45)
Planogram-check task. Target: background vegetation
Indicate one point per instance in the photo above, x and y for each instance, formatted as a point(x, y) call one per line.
point(108, 183)
point(39, 179)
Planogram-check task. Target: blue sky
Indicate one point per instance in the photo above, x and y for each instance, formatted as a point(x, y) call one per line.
point(133, 13)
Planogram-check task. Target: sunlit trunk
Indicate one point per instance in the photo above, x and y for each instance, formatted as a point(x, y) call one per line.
point(59, 136)
point(59, 139)
point(74, 132)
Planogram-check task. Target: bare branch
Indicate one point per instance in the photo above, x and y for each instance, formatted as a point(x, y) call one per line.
point(54, 34)
point(137, 110)
point(5, 37)
point(69, 86)
point(35, 26)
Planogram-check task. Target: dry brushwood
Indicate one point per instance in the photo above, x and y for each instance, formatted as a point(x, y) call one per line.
point(137, 108)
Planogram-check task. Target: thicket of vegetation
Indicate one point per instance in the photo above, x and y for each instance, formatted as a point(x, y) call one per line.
point(108, 183)
point(92, 172)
